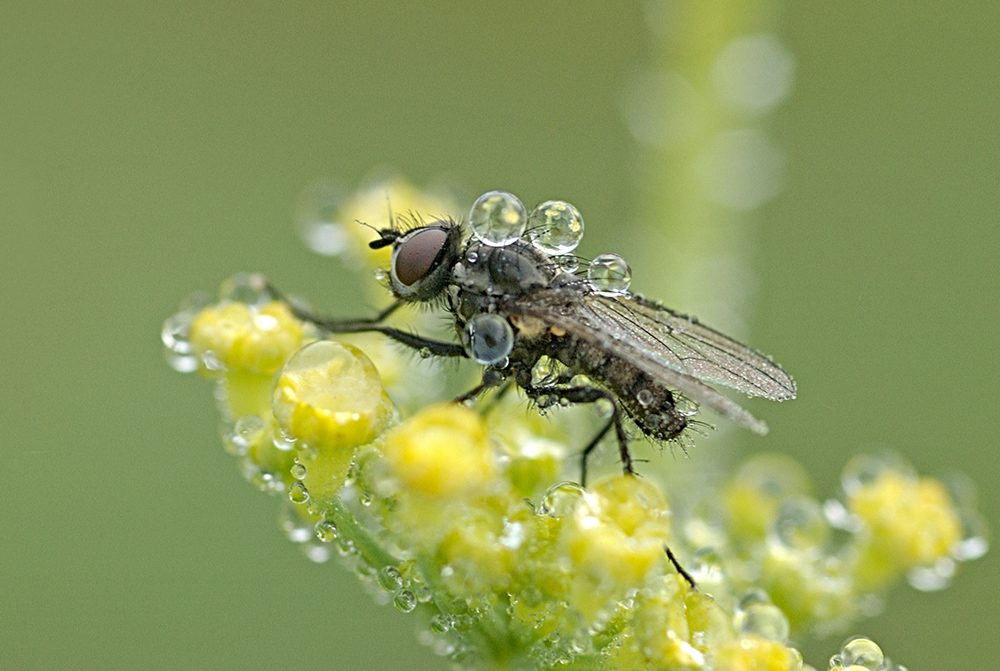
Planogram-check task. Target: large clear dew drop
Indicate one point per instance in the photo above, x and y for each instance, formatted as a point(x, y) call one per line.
point(488, 339)
point(555, 227)
point(498, 218)
point(609, 274)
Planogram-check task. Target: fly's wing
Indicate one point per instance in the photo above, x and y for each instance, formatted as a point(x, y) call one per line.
point(687, 346)
point(677, 352)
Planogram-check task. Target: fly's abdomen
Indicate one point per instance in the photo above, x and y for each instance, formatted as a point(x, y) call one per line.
point(650, 405)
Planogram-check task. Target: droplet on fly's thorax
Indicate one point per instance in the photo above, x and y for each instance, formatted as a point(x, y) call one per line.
point(555, 227)
point(609, 274)
point(498, 218)
point(488, 339)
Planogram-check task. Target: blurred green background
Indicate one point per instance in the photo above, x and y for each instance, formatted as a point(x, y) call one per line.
point(149, 150)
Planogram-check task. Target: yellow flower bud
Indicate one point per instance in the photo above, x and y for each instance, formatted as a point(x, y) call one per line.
point(443, 451)
point(330, 397)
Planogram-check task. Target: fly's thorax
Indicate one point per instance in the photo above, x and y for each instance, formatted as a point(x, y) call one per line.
point(515, 269)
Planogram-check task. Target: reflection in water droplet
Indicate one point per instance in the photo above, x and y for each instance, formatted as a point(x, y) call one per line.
point(644, 397)
point(497, 218)
point(609, 274)
point(555, 227)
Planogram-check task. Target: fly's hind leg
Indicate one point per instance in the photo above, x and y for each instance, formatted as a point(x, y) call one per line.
point(591, 395)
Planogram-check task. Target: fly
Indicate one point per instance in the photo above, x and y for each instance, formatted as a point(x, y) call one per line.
point(515, 298)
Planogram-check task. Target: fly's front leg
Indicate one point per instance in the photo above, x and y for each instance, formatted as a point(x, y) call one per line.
point(373, 325)
point(591, 395)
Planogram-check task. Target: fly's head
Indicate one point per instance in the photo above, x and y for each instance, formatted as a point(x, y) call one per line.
point(422, 259)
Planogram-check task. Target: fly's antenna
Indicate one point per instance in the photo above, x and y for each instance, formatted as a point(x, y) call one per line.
point(386, 236)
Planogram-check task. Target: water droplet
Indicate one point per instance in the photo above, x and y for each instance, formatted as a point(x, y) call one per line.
point(488, 338)
point(497, 218)
point(326, 531)
point(247, 288)
point(609, 274)
point(569, 263)
point(765, 620)
point(317, 217)
point(283, 442)
point(862, 652)
point(404, 600)
point(605, 408)
point(800, 525)
point(298, 471)
point(298, 493)
point(865, 469)
point(211, 361)
point(365, 498)
point(440, 624)
point(555, 227)
point(246, 431)
point(425, 352)
point(706, 566)
point(472, 257)
point(297, 530)
point(561, 499)
point(543, 371)
point(176, 333)
point(934, 577)
point(379, 274)
point(644, 397)
point(389, 578)
point(975, 536)
point(684, 406)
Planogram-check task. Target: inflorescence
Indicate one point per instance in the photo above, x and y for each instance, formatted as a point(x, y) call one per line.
point(471, 519)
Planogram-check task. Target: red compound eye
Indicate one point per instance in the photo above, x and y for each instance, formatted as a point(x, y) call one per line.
point(417, 253)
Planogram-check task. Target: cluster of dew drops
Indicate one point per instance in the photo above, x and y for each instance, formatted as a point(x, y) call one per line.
point(555, 228)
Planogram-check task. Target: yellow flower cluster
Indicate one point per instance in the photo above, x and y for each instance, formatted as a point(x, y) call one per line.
point(467, 517)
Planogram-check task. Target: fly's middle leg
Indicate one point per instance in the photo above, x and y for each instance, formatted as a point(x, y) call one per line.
point(591, 395)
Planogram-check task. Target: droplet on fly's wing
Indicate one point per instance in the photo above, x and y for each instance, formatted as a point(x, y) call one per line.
point(609, 274)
